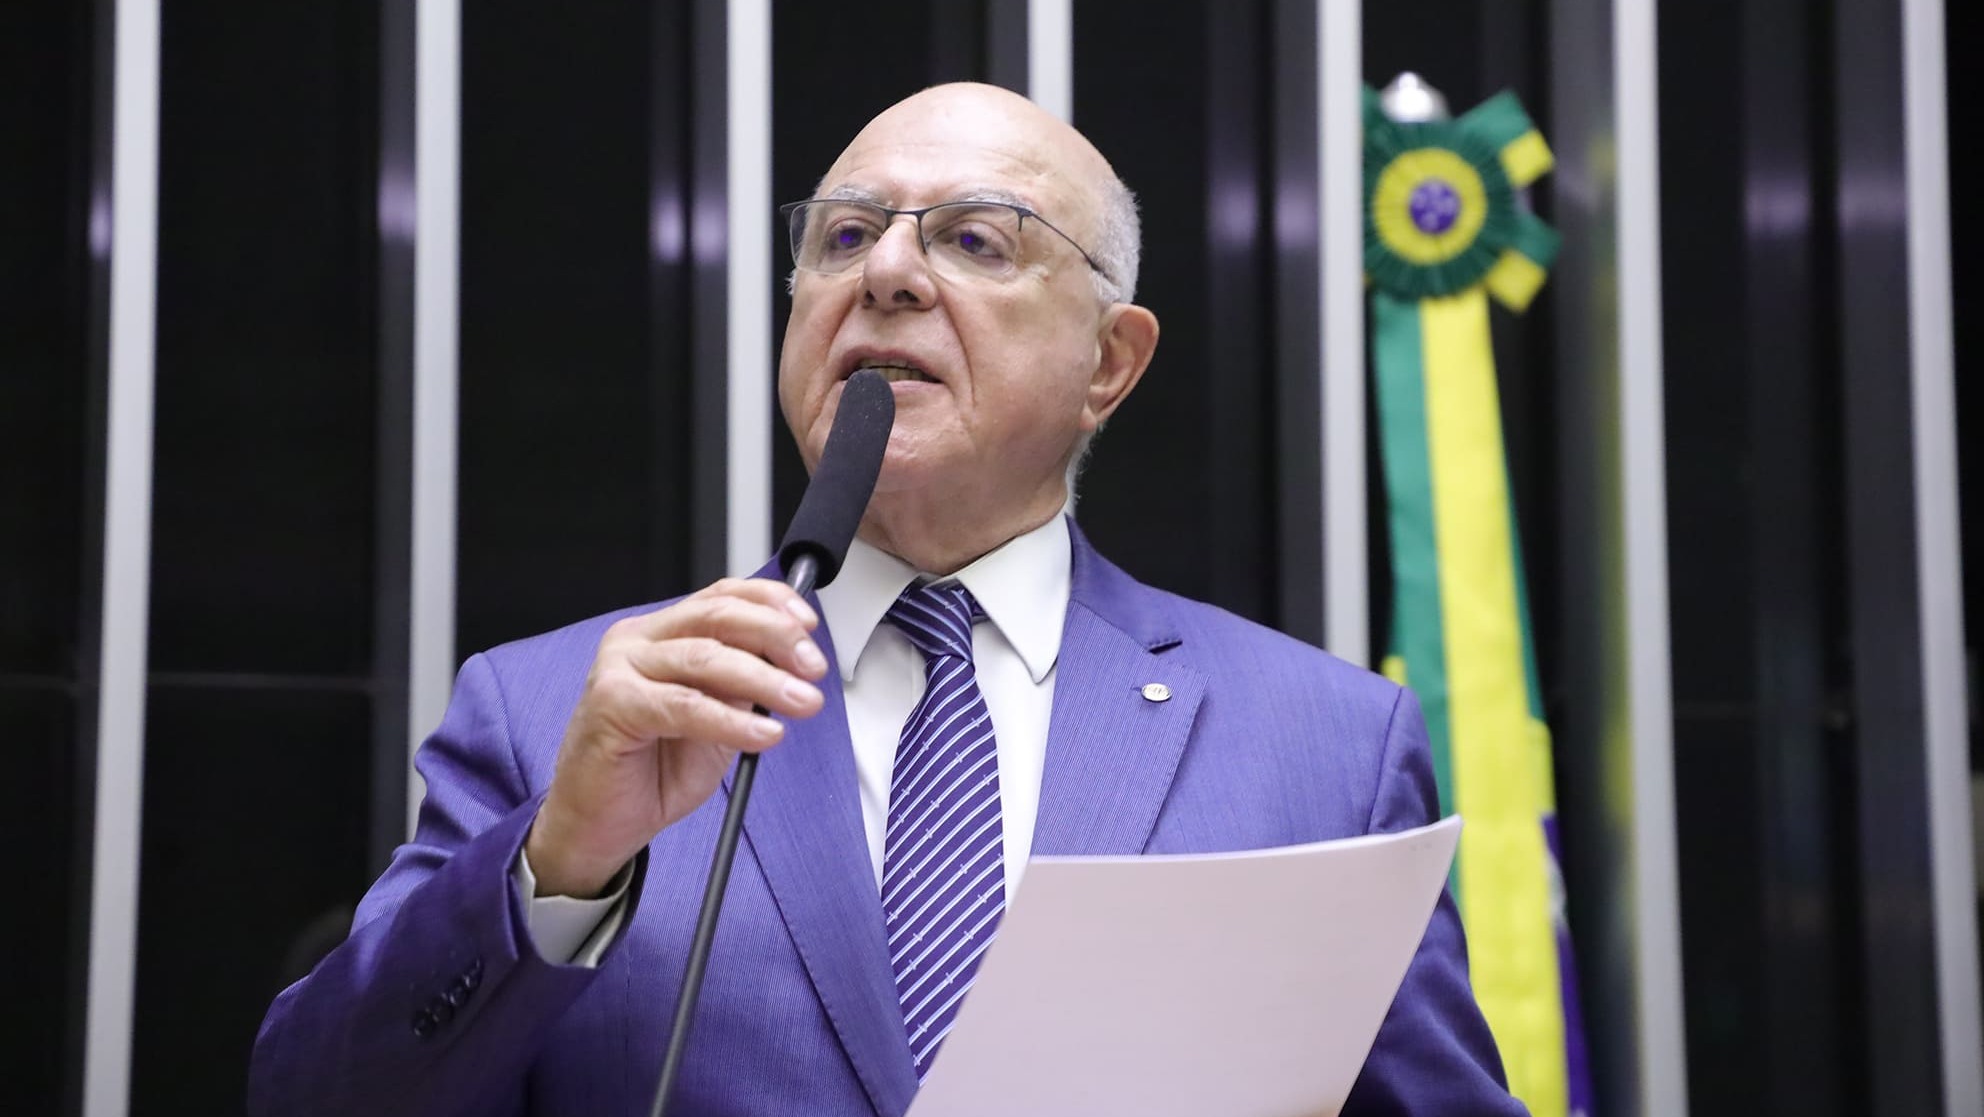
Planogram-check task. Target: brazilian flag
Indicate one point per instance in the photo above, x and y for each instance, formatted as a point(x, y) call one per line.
point(1444, 231)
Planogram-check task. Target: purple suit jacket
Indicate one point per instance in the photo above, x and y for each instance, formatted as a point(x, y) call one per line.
point(437, 1004)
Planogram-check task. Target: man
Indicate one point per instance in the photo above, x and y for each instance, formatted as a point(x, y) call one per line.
point(985, 686)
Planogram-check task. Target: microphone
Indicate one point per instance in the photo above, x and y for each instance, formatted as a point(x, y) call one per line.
point(838, 495)
point(815, 544)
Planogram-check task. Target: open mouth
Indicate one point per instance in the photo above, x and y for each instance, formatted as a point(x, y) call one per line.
point(896, 373)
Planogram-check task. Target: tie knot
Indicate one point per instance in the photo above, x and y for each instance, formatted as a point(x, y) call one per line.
point(936, 618)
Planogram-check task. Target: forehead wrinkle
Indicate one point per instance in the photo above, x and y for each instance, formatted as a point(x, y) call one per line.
point(845, 193)
point(869, 159)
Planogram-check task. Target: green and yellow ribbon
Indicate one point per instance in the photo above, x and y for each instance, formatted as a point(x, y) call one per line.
point(1444, 231)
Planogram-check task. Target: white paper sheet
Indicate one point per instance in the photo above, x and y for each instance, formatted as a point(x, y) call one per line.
point(1238, 984)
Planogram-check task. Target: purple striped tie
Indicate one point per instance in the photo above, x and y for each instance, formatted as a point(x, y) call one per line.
point(943, 863)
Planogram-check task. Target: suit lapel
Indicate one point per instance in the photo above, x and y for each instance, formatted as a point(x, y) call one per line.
point(1112, 752)
point(804, 827)
point(1113, 743)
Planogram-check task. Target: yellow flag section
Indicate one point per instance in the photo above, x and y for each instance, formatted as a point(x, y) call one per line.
point(1499, 753)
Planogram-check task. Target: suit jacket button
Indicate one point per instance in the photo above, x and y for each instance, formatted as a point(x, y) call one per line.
point(441, 1010)
point(424, 1024)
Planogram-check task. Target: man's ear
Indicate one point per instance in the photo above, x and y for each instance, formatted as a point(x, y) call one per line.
point(1124, 343)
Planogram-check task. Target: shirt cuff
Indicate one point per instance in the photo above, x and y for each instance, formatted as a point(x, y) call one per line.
point(566, 929)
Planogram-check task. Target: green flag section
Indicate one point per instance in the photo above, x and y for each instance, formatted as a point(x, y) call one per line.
point(1444, 233)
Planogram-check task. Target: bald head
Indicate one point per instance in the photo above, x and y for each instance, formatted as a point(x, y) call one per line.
point(986, 114)
point(1003, 349)
point(1069, 181)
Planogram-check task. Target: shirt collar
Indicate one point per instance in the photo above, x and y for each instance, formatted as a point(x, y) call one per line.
point(1022, 586)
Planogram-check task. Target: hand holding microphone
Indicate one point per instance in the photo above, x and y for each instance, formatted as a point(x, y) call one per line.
point(668, 703)
point(667, 707)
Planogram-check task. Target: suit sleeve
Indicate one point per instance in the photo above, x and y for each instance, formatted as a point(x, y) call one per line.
point(437, 1003)
point(1434, 1053)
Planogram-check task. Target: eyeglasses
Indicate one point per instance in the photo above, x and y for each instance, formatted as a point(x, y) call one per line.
point(964, 240)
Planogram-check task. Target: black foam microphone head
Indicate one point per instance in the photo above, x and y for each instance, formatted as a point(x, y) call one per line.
point(830, 512)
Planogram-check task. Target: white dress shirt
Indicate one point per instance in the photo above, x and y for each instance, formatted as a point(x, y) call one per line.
point(1023, 589)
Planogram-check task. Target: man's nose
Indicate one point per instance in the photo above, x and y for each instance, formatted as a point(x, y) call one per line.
point(896, 272)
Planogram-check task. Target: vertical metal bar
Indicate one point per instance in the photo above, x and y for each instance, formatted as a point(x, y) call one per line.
point(1614, 724)
point(392, 600)
point(120, 752)
point(1643, 499)
point(1050, 56)
point(1932, 352)
point(748, 54)
point(436, 336)
point(1340, 170)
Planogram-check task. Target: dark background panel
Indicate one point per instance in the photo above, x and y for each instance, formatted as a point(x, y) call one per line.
point(1709, 456)
point(43, 821)
point(266, 476)
point(1241, 432)
point(51, 380)
point(45, 103)
point(1869, 330)
point(255, 854)
point(575, 436)
point(1965, 90)
point(262, 503)
point(1297, 292)
point(1178, 488)
point(811, 46)
point(1965, 38)
point(1708, 462)
point(1965, 31)
point(1763, 761)
point(1141, 97)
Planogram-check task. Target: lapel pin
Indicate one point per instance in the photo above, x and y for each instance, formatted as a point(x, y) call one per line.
point(1156, 692)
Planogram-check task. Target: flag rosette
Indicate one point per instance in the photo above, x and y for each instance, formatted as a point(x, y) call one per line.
point(1441, 214)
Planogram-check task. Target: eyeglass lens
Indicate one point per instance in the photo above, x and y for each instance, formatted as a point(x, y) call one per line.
point(970, 239)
